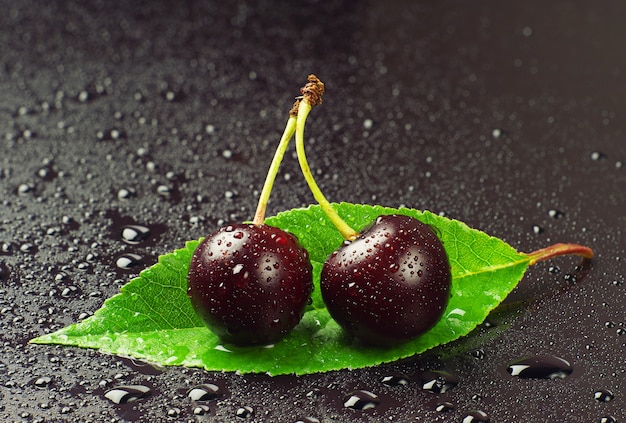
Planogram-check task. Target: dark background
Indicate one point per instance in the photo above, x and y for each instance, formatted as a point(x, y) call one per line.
point(506, 115)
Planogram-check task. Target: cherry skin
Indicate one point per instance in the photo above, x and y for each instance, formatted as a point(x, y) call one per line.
point(250, 284)
point(389, 285)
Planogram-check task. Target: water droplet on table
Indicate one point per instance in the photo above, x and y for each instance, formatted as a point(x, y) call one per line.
point(127, 393)
point(173, 412)
point(540, 367)
point(395, 380)
point(555, 214)
point(128, 261)
point(597, 155)
point(244, 412)
point(444, 407)
point(42, 382)
point(476, 416)
point(26, 188)
point(201, 410)
point(603, 395)
point(4, 272)
point(438, 381)
point(134, 234)
point(361, 400)
point(204, 392)
point(126, 193)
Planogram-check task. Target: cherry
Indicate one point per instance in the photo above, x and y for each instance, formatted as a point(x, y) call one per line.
point(387, 285)
point(249, 283)
point(391, 284)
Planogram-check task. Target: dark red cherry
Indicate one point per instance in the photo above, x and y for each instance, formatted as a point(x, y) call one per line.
point(389, 285)
point(250, 284)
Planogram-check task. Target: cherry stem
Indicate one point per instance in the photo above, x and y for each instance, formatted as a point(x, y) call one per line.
point(346, 231)
point(259, 215)
point(559, 250)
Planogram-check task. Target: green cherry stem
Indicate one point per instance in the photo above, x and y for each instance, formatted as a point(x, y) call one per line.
point(346, 231)
point(560, 250)
point(259, 215)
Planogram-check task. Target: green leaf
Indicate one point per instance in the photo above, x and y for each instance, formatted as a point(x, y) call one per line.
point(152, 318)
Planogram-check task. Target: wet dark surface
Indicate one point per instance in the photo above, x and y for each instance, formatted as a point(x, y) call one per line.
point(165, 115)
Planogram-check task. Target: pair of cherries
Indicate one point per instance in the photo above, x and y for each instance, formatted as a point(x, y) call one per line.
point(251, 283)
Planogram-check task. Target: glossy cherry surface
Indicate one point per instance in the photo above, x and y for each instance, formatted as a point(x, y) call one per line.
point(250, 284)
point(389, 285)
